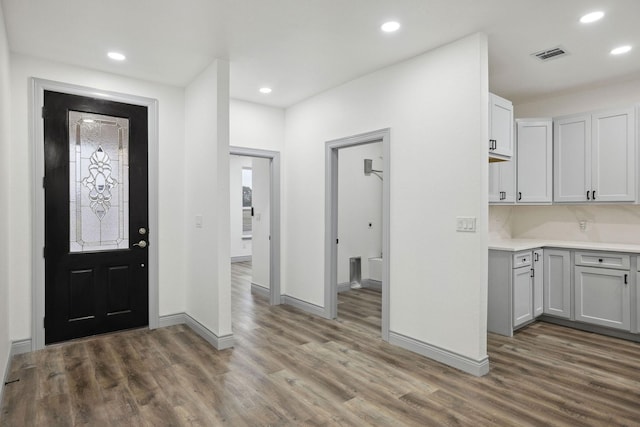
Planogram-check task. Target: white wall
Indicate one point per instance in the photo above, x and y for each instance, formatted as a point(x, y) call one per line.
point(171, 186)
point(5, 154)
point(239, 247)
point(359, 203)
point(436, 107)
point(256, 126)
point(208, 278)
point(605, 223)
point(260, 222)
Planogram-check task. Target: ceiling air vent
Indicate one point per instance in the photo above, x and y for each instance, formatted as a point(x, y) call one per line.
point(546, 55)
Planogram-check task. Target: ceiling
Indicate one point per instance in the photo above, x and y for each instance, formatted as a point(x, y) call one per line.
point(303, 47)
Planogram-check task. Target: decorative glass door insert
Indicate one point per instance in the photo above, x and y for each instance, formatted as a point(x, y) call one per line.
point(99, 182)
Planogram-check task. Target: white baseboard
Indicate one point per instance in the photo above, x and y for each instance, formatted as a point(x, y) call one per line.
point(240, 258)
point(20, 347)
point(465, 364)
point(344, 287)
point(372, 284)
point(219, 343)
point(260, 290)
point(304, 306)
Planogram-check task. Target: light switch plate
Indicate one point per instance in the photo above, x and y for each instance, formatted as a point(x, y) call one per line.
point(466, 224)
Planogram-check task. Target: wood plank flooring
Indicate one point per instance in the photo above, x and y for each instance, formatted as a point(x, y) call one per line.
point(291, 368)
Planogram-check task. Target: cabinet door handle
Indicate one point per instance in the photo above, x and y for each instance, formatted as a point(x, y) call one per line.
point(593, 194)
point(535, 257)
point(588, 196)
point(519, 195)
point(625, 279)
point(533, 273)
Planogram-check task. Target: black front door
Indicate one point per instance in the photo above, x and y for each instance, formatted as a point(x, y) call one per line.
point(96, 210)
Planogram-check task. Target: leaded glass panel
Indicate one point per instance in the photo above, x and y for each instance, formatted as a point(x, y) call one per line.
point(99, 182)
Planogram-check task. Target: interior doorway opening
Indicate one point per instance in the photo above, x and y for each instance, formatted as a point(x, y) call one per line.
point(361, 234)
point(255, 218)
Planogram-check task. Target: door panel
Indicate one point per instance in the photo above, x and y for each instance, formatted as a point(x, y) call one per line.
point(96, 200)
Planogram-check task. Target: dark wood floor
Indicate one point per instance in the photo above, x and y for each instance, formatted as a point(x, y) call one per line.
point(290, 368)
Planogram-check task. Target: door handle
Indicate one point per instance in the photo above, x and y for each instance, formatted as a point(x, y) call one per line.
point(593, 194)
point(625, 279)
point(519, 195)
point(141, 244)
point(533, 273)
point(535, 257)
point(588, 196)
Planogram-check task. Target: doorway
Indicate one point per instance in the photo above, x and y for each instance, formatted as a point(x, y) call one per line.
point(255, 218)
point(332, 234)
point(93, 260)
point(96, 216)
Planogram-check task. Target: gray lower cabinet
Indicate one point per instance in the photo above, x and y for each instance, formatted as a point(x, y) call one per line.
point(557, 283)
point(602, 297)
point(512, 292)
point(538, 282)
point(522, 296)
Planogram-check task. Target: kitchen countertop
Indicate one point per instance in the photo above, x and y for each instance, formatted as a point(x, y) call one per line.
point(515, 245)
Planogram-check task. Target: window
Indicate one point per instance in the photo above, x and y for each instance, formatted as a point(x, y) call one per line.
point(247, 189)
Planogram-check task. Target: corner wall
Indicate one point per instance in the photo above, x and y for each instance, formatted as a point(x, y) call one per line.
point(5, 155)
point(436, 106)
point(208, 278)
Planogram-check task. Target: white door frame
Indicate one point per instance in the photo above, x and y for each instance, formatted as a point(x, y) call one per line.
point(331, 220)
point(274, 215)
point(38, 87)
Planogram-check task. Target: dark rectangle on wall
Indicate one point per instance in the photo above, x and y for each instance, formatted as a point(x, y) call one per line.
point(118, 290)
point(82, 288)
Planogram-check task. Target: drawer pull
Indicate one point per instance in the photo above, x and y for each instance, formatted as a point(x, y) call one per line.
point(625, 279)
point(600, 260)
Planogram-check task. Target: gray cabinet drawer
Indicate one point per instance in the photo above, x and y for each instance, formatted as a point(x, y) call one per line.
point(522, 259)
point(603, 259)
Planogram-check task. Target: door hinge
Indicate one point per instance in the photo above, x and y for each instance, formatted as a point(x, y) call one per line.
point(337, 241)
point(269, 237)
point(44, 322)
point(44, 182)
point(43, 112)
point(44, 252)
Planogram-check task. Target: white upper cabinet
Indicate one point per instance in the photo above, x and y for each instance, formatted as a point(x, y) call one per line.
point(594, 157)
point(572, 159)
point(534, 148)
point(502, 182)
point(613, 156)
point(500, 128)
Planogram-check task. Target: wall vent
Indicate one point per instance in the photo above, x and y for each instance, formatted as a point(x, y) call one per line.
point(546, 55)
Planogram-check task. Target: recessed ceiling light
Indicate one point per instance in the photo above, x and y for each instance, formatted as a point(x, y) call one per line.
point(620, 50)
point(116, 56)
point(390, 27)
point(592, 17)
point(265, 90)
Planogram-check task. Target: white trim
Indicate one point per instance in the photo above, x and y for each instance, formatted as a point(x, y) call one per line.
point(243, 258)
point(304, 306)
point(171, 320)
point(465, 364)
point(331, 220)
point(372, 284)
point(20, 347)
point(259, 290)
point(36, 138)
point(219, 343)
point(343, 287)
point(274, 214)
